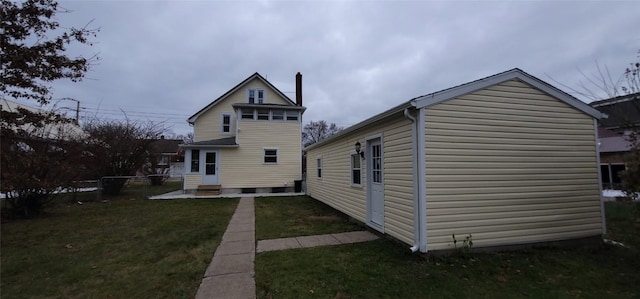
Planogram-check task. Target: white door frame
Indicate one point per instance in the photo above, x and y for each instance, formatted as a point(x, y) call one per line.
point(376, 223)
point(208, 179)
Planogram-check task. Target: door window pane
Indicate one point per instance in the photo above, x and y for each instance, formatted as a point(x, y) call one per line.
point(210, 163)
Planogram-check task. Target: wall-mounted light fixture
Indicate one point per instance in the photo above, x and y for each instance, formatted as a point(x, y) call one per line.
point(358, 150)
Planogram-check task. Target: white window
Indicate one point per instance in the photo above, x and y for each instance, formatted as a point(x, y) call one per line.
point(319, 167)
point(292, 115)
point(256, 96)
point(260, 96)
point(252, 96)
point(247, 113)
point(270, 155)
point(226, 123)
point(277, 114)
point(356, 170)
point(263, 114)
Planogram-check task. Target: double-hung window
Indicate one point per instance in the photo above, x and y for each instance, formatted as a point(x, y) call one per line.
point(256, 96)
point(195, 160)
point(226, 123)
point(292, 115)
point(263, 114)
point(246, 113)
point(319, 167)
point(356, 170)
point(270, 156)
point(277, 114)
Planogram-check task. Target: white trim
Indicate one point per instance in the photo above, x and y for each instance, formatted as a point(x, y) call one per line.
point(602, 213)
point(351, 154)
point(264, 155)
point(422, 178)
point(416, 181)
point(367, 141)
point(222, 115)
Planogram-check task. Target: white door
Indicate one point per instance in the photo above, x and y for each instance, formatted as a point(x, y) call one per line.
point(375, 184)
point(211, 161)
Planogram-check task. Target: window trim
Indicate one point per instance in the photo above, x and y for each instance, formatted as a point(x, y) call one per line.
point(222, 115)
point(264, 155)
point(319, 167)
point(352, 169)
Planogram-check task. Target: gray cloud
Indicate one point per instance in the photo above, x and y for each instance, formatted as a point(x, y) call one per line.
point(166, 60)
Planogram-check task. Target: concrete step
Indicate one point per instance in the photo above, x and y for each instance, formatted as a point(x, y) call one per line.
point(208, 190)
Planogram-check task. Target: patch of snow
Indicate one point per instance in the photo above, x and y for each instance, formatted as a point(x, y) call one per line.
point(66, 190)
point(612, 193)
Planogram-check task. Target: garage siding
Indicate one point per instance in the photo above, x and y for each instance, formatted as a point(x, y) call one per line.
point(508, 165)
point(335, 189)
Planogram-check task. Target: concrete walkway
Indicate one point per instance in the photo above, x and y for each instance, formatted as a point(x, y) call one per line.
point(231, 273)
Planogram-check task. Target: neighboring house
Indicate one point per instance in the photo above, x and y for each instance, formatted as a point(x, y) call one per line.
point(169, 156)
point(612, 147)
point(622, 117)
point(623, 113)
point(52, 131)
point(507, 160)
point(247, 140)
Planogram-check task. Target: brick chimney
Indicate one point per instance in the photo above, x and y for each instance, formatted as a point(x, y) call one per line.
point(298, 89)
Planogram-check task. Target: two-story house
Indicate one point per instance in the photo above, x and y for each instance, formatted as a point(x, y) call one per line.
point(246, 141)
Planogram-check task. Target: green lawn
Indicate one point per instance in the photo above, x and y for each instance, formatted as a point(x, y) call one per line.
point(385, 269)
point(293, 216)
point(121, 248)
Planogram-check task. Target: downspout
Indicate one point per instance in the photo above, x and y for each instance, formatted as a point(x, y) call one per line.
point(416, 178)
point(422, 179)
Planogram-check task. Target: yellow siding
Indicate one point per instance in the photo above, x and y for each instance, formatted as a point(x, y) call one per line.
point(243, 167)
point(509, 165)
point(191, 181)
point(334, 188)
point(208, 125)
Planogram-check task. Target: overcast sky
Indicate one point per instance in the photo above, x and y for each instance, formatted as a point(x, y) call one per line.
point(163, 61)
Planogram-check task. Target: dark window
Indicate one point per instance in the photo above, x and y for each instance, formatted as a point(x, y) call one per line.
point(277, 114)
point(270, 156)
point(263, 114)
point(252, 96)
point(195, 160)
point(319, 166)
point(355, 169)
point(260, 96)
point(247, 113)
point(292, 115)
point(226, 123)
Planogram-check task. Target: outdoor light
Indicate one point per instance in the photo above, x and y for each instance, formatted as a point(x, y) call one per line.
point(358, 151)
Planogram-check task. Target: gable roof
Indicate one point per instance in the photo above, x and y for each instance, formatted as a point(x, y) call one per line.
point(513, 74)
point(193, 118)
point(456, 91)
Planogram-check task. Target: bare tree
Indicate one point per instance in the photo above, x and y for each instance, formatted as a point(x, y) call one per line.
point(119, 148)
point(315, 131)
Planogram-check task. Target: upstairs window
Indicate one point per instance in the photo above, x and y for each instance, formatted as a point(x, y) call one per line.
point(270, 155)
point(277, 114)
point(195, 160)
point(292, 115)
point(252, 96)
point(226, 123)
point(256, 96)
point(263, 114)
point(260, 96)
point(246, 113)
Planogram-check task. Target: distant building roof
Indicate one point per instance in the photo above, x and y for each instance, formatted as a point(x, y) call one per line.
point(612, 142)
point(622, 111)
point(163, 145)
point(49, 131)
